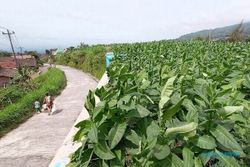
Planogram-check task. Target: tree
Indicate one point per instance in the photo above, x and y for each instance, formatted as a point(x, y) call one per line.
point(198, 38)
point(71, 48)
point(83, 45)
point(248, 38)
point(47, 52)
point(4, 54)
point(236, 35)
point(206, 38)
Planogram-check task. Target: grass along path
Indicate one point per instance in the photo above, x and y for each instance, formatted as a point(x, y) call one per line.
point(22, 107)
point(35, 142)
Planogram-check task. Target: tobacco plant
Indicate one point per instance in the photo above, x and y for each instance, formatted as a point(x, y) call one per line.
point(170, 104)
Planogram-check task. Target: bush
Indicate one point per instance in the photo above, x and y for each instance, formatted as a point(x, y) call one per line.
point(53, 81)
point(90, 59)
point(10, 95)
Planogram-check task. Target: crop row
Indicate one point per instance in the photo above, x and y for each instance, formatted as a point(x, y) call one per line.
point(170, 103)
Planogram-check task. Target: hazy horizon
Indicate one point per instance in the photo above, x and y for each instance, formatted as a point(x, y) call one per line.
point(45, 24)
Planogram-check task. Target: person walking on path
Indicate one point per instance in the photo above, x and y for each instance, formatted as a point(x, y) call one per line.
point(48, 101)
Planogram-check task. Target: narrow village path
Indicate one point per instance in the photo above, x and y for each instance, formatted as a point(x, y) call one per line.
point(35, 142)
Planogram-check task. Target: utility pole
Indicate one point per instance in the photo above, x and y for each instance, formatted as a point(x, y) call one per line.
point(21, 51)
point(11, 44)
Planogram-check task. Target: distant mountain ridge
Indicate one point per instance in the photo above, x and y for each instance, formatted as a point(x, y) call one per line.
point(221, 33)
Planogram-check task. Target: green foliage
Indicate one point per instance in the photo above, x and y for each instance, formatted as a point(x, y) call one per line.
point(248, 39)
point(11, 115)
point(11, 94)
point(236, 35)
point(90, 59)
point(4, 54)
point(36, 56)
point(167, 104)
point(23, 75)
point(20, 85)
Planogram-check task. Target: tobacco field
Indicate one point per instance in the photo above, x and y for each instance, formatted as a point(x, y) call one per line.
point(170, 104)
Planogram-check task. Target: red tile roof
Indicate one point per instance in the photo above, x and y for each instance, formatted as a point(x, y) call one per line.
point(23, 56)
point(9, 62)
point(30, 62)
point(7, 72)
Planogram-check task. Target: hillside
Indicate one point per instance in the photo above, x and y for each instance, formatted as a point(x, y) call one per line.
point(217, 33)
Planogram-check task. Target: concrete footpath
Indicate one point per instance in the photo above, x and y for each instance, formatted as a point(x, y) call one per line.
point(62, 157)
point(35, 142)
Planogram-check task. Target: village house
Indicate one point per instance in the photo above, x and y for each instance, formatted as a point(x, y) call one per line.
point(7, 70)
point(8, 67)
point(26, 60)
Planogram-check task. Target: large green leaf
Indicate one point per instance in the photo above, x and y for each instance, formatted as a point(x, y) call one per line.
point(112, 103)
point(197, 162)
point(140, 112)
point(144, 84)
point(171, 161)
point(133, 137)
point(176, 161)
point(152, 131)
point(119, 161)
point(232, 109)
point(161, 151)
point(238, 117)
point(93, 134)
point(86, 157)
point(192, 115)
point(104, 163)
point(201, 91)
point(206, 142)
point(227, 161)
point(101, 93)
point(174, 109)
point(143, 112)
point(167, 92)
point(204, 157)
point(124, 77)
point(84, 126)
point(102, 150)
point(233, 85)
point(90, 102)
point(181, 128)
point(116, 133)
point(247, 81)
point(226, 139)
point(188, 157)
point(124, 100)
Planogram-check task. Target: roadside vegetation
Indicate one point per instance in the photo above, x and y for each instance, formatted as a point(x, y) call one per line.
point(90, 59)
point(17, 99)
point(170, 103)
point(4, 54)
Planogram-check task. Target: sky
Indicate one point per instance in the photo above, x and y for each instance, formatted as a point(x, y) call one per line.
point(45, 24)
